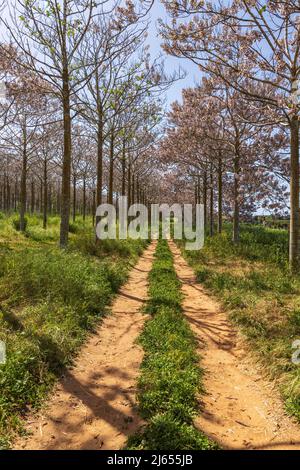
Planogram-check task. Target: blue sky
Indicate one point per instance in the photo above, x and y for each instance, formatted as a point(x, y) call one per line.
point(171, 63)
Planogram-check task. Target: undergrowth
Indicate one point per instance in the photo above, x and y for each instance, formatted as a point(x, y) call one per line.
point(49, 301)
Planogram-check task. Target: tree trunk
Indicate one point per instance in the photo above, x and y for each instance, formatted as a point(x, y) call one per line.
point(94, 207)
point(32, 197)
point(99, 161)
point(23, 193)
point(8, 195)
point(66, 171)
point(1, 197)
point(41, 189)
point(4, 193)
point(129, 185)
point(220, 197)
point(211, 215)
point(50, 199)
point(236, 196)
point(205, 198)
point(133, 190)
point(123, 169)
point(16, 194)
point(84, 200)
point(294, 197)
point(111, 169)
point(137, 191)
point(45, 197)
point(58, 199)
point(74, 198)
point(100, 142)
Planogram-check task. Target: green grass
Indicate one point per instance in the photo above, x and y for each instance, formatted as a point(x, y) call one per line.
point(262, 297)
point(49, 301)
point(170, 375)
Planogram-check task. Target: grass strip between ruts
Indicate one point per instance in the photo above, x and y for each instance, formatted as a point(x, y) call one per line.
point(170, 374)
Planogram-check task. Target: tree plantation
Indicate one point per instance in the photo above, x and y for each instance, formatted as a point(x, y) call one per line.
point(133, 343)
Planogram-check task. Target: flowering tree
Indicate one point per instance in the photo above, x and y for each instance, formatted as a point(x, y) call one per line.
point(253, 40)
point(226, 141)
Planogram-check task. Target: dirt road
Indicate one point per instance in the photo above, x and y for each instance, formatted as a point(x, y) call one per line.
point(93, 406)
point(240, 410)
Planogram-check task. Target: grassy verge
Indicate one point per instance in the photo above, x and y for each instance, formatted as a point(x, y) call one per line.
point(170, 376)
point(49, 301)
point(262, 297)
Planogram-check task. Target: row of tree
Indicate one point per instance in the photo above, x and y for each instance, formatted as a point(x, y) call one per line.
point(80, 120)
point(81, 106)
point(231, 155)
point(249, 51)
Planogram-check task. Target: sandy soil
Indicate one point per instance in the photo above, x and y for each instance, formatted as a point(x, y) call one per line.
point(93, 405)
point(241, 409)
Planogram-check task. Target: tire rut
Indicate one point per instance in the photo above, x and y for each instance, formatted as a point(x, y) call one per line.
point(240, 409)
point(93, 405)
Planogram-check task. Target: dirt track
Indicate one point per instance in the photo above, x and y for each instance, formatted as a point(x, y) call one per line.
point(240, 410)
point(93, 406)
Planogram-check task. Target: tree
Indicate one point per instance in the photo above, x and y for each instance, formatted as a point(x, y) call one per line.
point(215, 136)
point(19, 137)
point(50, 36)
point(254, 40)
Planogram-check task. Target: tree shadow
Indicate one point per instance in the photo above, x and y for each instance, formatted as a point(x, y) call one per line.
point(98, 400)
